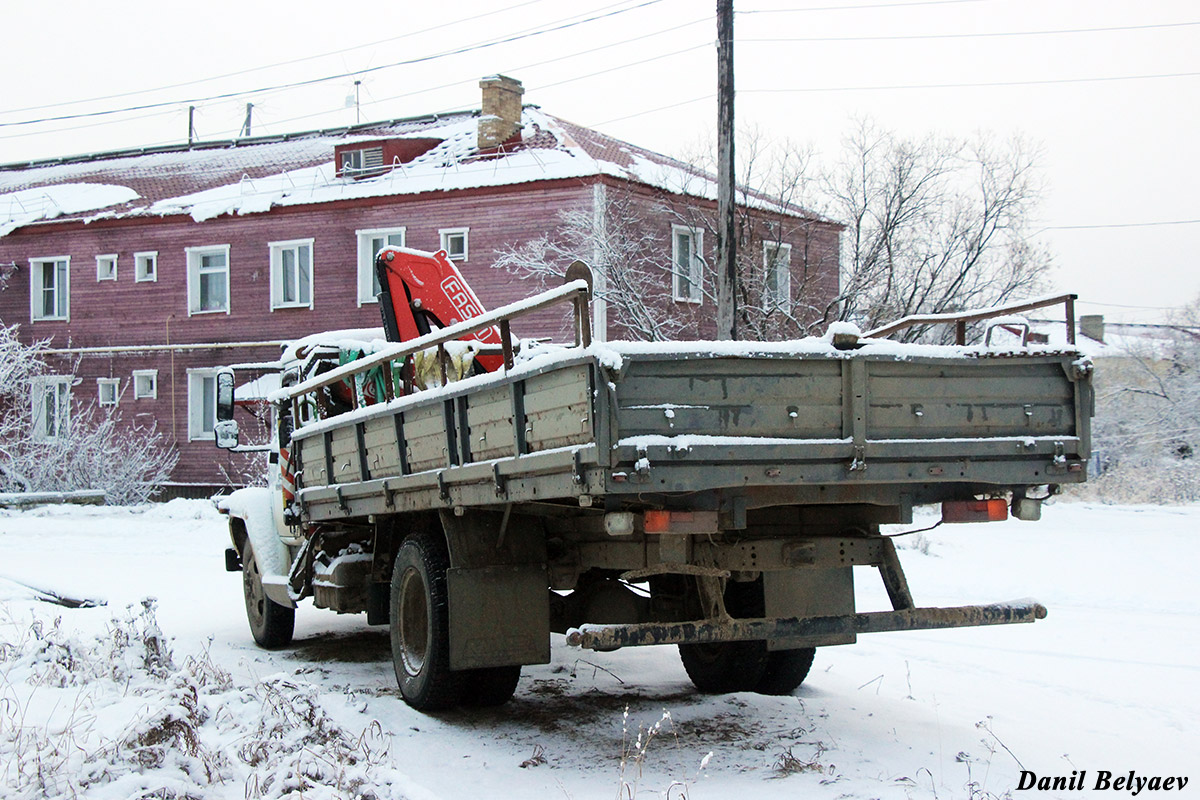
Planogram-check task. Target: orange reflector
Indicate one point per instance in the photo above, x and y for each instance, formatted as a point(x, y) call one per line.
point(657, 521)
point(975, 510)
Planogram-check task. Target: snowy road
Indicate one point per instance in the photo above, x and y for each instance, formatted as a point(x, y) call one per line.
point(1110, 681)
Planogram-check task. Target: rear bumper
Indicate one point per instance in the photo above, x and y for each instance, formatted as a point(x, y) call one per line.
point(808, 632)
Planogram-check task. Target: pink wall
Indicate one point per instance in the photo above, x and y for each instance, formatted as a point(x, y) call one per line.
point(125, 313)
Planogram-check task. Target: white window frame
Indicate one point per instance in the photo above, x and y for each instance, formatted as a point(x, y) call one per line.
point(366, 258)
point(696, 273)
point(102, 262)
point(194, 256)
point(196, 410)
point(444, 235)
point(152, 392)
point(778, 293)
point(140, 273)
point(39, 387)
point(62, 294)
point(363, 159)
point(111, 384)
point(277, 268)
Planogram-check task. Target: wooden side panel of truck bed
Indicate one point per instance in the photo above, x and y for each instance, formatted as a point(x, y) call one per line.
point(848, 427)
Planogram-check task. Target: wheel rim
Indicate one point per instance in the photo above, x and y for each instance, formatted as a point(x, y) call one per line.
point(255, 596)
point(414, 622)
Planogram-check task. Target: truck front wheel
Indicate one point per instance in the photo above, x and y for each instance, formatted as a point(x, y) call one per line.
point(420, 624)
point(271, 624)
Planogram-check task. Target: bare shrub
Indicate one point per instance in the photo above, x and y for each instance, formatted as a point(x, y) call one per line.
point(92, 449)
point(178, 743)
point(1147, 424)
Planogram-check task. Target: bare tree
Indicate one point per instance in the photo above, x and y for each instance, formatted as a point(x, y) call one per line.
point(89, 448)
point(786, 263)
point(618, 241)
point(933, 225)
point(626, 238)
point(1147, 425)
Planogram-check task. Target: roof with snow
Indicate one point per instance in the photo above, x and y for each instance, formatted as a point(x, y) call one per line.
point(254, 175)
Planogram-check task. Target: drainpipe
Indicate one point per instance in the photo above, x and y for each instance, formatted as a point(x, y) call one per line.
point(174, 404)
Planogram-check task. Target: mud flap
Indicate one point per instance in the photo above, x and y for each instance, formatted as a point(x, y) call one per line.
point(813, 592)
point(499, 616)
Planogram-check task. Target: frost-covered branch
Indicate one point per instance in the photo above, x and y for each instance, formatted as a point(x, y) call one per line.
point(89, 448)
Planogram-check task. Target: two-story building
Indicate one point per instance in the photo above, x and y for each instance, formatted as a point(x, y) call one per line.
point(146, 270)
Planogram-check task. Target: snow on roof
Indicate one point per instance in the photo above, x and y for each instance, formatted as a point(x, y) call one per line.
point(1120, 340)
point(255, 175)
point(24, 206)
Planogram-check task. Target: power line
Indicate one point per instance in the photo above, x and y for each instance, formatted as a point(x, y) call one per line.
point(918, 86)
point(339, 76)
point(709, 96)
point(1121, 225)
point(995, 34)
point(464, 81)
point(278, 64)
point(1122, 305)
point(856, 7)
point(510, 70)
point(982, 85)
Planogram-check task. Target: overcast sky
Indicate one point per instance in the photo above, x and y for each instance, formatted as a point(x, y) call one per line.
point(1115, 111)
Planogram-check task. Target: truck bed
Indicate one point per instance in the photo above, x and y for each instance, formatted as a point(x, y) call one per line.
point(753, 424)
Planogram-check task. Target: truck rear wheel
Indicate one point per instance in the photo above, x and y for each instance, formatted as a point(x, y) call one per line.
point(723, 667)
point(271, 624)
point(420, 625)
point(786, 670)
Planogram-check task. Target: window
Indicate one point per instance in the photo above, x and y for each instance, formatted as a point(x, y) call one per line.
point(454, 242)
point(291, 274)
point(357, 161)
point(145, 384)
point(777, 288)
point(108, 391)
point(106, 268)
point(202, 403)
point(208, 279)
point(371, 242)
point(145, 266)
point(51, 407)
point(50, 288)
point(686, 263)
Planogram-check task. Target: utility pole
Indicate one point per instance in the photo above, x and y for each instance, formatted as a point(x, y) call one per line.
point(357, 107)
point(246, 126)
point(726, 216)
point(191, 125)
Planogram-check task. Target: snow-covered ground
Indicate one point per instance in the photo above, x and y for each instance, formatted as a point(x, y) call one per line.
point(1109, 681)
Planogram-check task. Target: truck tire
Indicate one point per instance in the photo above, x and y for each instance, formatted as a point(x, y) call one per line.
point(723, 667)
point(271, 624)
point(786, 670)
point(419, 623)
point(491, 686)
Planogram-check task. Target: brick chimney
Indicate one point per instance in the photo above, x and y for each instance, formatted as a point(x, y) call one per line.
point(501, 118)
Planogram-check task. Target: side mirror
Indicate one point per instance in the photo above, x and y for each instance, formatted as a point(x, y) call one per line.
point(226, 428)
